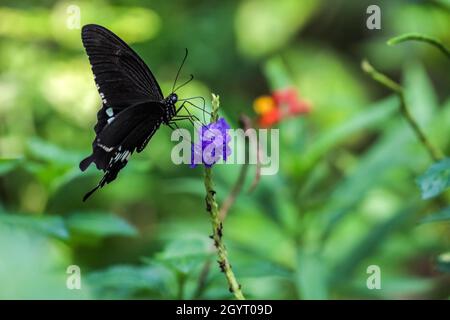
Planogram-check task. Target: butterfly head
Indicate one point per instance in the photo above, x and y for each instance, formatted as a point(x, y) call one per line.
point(173, 98)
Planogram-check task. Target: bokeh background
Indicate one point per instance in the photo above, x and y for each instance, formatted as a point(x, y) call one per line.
point(345, 197)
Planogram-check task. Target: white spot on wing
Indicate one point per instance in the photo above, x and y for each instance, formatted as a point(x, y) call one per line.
point(111, 119)
point(107, 149)
point(109, 112)
point(124, 155)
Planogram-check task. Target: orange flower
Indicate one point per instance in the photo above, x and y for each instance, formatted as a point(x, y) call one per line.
point(263, 104)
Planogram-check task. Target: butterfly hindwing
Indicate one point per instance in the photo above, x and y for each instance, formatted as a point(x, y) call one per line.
point(130, 129)
point(120, 138)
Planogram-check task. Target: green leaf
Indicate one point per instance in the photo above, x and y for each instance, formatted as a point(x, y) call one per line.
point(126, 281)
point(7, 165)
point(277, 74)
point(33, 266)
point(420, 95)
point(346, 93)
point(444, 3)
point(442, 215)
point(65, 178)
point(100, 225)
point(311, 276)
point(261, 268)
point(185, 255)
point(370, 242)
point(254, 264)
point(46, 173)
point(380, 160)
point(435, 180)
point(52, 153)
point(48, 225)
point(372, 116)
point(277, 241)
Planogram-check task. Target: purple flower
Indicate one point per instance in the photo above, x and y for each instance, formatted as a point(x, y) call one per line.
point(212, 145)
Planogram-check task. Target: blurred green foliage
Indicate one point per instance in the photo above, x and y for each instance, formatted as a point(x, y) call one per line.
point(346, 196)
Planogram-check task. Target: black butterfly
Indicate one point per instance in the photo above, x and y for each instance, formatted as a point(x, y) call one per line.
point(133, 104)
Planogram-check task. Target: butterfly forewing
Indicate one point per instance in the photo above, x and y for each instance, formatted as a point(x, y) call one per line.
point(121, 76)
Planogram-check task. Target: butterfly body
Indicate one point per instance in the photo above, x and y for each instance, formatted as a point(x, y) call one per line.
point(169, 104)
point(133, 106)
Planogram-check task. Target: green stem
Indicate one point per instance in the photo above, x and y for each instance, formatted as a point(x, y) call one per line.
point(435, 153)
point(181, 279)
point(421, 38)
point(237, 188)
point(217, 227)
point(381, 78)
point(203, 279)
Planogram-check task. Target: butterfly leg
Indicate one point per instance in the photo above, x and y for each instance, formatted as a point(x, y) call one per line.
point(173, 123)
point(189, 116)
point(181, 118)
point(195, 106)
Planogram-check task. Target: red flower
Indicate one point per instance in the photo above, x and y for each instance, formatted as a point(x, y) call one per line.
point(270, 118)
point(282, 104)
point(288, 97)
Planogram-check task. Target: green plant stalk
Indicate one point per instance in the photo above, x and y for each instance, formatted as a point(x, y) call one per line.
point(422, 38)
point(434, 152)
point(181, 279)
point(217, 227)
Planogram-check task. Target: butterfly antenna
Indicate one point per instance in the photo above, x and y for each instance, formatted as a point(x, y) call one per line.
point(196, 97)
point(183, 84)
point(179, 69)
